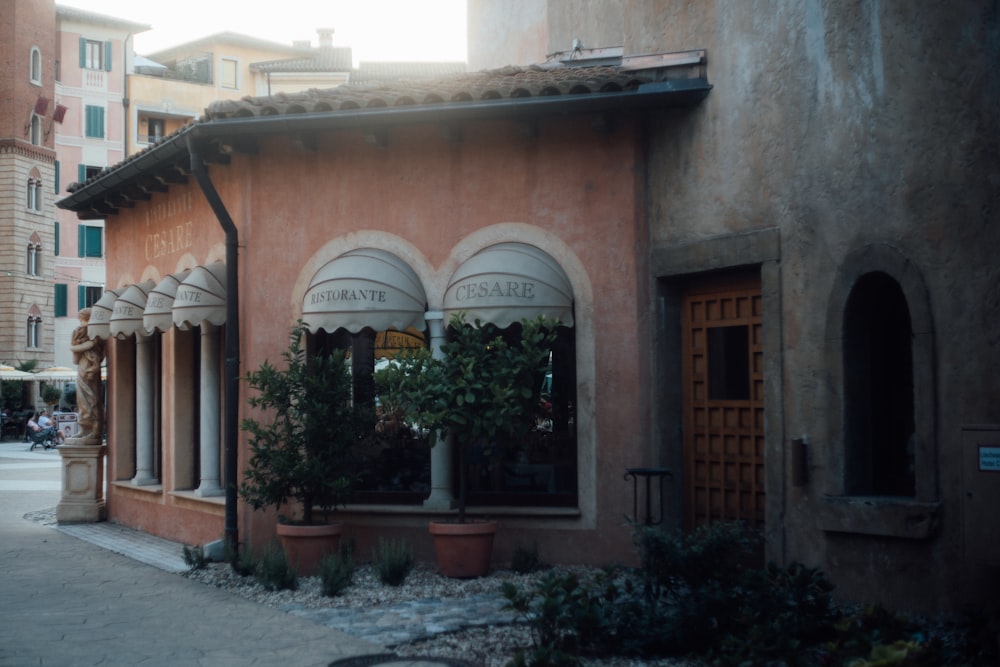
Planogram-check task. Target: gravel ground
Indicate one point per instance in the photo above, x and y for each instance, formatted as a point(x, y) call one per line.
point(489, 646)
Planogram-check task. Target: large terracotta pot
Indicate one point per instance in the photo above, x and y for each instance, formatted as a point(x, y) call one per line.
point(305, 546)
point(464, 550)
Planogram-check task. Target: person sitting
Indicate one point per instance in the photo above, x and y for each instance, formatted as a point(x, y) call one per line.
point(46, 423)
point(40, 434)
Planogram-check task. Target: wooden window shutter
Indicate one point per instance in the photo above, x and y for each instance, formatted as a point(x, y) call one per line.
point(107, 56)
point(61, 299)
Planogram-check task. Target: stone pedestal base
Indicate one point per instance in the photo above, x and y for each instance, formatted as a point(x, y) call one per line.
point(82, 482)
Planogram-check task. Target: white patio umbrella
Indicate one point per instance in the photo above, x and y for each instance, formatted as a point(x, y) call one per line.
point(56, 374)
point(11, 373)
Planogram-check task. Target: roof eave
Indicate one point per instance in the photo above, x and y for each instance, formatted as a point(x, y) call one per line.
point(664, 94)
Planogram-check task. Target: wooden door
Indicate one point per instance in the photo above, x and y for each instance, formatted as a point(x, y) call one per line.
point(723, 411)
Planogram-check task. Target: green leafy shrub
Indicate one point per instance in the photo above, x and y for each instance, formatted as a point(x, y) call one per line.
point(783, 611)
point(525, 559)
point(50, 394)
point(194, 557)
point(336, 572)
point(273, 572)
point(304, 446)
point(482, 390)
point(393, 560)
point(241, 561)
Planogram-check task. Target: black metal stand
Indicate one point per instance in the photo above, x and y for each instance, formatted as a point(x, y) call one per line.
point(647, 474)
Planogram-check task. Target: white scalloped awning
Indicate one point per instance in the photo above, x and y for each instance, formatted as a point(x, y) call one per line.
point(365, 287)
point(159, 313)
point(201, 297)
point(99, 325)
point(126, 318)
point(508, 282)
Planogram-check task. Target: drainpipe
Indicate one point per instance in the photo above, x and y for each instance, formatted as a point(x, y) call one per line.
point(230, 426)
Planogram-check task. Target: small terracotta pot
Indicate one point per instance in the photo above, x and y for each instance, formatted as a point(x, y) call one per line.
point(305, 546)
point(464, 550)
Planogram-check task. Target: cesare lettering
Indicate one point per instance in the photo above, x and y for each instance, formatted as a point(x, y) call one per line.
point(174, 239)
point(369, 295)
point(486, 289)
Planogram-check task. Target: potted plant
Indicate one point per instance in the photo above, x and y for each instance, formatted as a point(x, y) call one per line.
point(50, 396)
point(483, 391)
point(302, 448)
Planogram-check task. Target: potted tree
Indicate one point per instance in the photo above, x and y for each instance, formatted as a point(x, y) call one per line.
point(483, 392)
point(302, 448)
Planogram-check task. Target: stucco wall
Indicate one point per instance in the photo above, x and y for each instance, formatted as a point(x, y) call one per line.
point(846, 125)
point(573, 192)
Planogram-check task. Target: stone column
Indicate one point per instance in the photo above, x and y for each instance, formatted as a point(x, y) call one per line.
point(209, 418)
point(441, 496)
point(82, 482)
point(143, 413)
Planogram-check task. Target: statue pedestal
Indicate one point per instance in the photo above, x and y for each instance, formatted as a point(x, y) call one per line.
point(82, 482)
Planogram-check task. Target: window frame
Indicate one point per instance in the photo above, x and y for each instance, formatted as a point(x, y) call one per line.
point(223, 78)
point(33, 195)
point(33, 263)
point(94, 123)
point(60, 300)
point(95, 55)
point(86, 241)
point(35, 66)
point(893, 516)
point(34, 334)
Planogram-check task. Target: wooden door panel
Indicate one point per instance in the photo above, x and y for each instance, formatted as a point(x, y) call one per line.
point(723, 408)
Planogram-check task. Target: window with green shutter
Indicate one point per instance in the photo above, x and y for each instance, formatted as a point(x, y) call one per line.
point(89, 241)
point(95, 54)
point(62, 297)
point(95, 122)
point(55, 241)
point(55, 179)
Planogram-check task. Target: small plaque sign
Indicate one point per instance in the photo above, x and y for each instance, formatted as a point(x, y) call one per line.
point(989, 459)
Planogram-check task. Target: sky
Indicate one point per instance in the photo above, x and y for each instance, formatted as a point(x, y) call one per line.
point(410, 30)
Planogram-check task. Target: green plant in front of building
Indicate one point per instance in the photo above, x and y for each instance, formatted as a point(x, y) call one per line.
point(336, 571)
point(483, 390)
point(50, 395)
point(693, 595)
point(302, 447)
point(194, 557)
point(526, 559)
point(273, 572)
point(393, 560)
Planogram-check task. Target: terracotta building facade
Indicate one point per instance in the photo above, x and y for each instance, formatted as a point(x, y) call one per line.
point(775, 234)
point(465, 188)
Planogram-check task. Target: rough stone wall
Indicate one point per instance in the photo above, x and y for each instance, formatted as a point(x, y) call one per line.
point(843, 125)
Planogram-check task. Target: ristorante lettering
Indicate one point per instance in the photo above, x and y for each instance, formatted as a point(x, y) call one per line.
point(363, 295)
point(486, 289)
point(190, 296)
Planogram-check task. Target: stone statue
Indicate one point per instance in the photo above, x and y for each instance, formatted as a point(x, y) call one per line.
point(88, 355)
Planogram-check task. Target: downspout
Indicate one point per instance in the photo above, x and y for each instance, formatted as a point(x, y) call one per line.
point(230, 425)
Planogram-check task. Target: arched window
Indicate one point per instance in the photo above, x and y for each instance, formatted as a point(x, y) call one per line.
point(36, 130)
point(34, 331)
point(34, 260)
point(879, 426)
point(33, 194)
point(36, 66)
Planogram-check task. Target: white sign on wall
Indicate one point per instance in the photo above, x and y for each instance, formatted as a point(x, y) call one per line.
point(989, 459)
